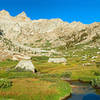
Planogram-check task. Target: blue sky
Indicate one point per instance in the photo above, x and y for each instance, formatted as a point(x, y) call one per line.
point(85, 11)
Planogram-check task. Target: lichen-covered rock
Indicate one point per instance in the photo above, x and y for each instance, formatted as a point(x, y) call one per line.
point(25, 65)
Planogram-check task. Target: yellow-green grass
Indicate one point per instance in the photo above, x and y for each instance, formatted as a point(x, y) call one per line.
point(79, 72)
point(50, 67)
point(30, 88)
point(84, 74)
point(35, 89)
point(48, 86)
point(7, 64)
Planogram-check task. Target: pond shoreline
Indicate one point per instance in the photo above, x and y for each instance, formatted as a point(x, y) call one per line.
point(66, 97)
point(74, 86)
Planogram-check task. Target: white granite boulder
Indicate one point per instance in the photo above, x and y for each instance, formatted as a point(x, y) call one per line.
point(26, 65)
point(57, 60)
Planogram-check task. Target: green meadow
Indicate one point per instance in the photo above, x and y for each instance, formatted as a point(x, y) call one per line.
point(49, 81)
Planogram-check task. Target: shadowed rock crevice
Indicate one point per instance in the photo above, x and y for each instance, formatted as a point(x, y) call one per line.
point(1, 32)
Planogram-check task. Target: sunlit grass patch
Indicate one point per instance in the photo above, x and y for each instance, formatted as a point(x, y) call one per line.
point(35, 89)
point(8, 63)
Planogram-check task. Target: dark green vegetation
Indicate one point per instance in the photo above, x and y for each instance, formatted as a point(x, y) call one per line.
point(96, 82)
point(83, 63)
point(4, 83)
point(40, 58)
point(1, 32)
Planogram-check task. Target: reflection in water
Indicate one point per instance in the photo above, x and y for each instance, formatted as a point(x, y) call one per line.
point(83, 91)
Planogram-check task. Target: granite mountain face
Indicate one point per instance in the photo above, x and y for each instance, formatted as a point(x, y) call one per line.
point(26, 34)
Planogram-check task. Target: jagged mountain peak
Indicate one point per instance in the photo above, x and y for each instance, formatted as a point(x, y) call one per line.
point(58, 32)
point(4, 13)
point(22, 17)
point(22, 14)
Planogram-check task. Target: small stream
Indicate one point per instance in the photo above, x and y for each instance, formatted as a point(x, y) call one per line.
point(83, 91)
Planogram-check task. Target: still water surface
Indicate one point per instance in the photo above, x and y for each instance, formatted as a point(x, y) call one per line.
point(83, 91)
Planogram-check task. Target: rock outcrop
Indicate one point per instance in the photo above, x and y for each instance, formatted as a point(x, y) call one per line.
point(57, 60)
point(23, 34)
point(25, 65)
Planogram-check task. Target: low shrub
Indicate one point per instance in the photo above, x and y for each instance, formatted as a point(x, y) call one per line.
point(96, 82)
point(97, 64)
point(97, 73)
point(5, 83)
point(66, 75)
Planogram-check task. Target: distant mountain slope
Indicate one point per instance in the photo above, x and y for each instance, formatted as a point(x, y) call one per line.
point(46, 33)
